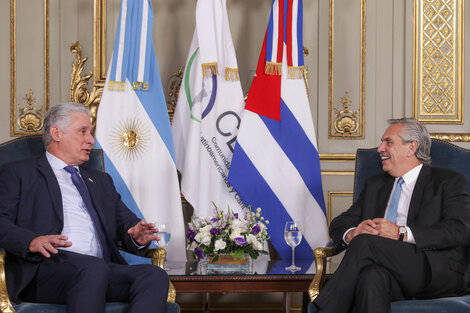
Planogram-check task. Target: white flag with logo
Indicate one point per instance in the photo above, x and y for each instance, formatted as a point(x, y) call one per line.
point(208, 113)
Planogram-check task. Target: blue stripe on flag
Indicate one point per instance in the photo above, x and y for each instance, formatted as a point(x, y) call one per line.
point(135, 47)
point(269, 38)
point(261, 195)
point(148, 50)
point(292, 139)
point(300, 35)
point(153, 101)
point(126, 46)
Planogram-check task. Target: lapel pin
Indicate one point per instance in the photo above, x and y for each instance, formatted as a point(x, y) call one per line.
point(90, 179)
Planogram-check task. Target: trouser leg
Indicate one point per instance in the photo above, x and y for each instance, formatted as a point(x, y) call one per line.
point(78, 280)
point(375, 289)
point(409, 268)
point(144, 286)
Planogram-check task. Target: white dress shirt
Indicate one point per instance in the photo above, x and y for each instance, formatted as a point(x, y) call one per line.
point(78, 225)
point(409, 182)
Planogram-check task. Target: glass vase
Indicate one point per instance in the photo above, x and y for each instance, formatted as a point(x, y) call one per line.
point(226, 265)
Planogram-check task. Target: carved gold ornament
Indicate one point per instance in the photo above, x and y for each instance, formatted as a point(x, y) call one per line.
point(346, 124)
point(173, 90)
point(438, 61)
point(346, 121)
point(31, 118)
point(130, 139)
point(28, 120)
point(78, 92)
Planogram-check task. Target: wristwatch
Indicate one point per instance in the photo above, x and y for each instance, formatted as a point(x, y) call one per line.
point(401, 232)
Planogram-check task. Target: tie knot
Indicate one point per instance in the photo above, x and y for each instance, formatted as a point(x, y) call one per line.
point(70, 169)
point(400, 181)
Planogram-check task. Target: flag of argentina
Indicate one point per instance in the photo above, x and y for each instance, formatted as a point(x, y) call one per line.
point(133, 128)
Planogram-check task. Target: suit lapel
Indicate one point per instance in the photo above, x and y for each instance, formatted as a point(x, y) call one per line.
point(417, 195)
point(95, 197)
point(52, 185)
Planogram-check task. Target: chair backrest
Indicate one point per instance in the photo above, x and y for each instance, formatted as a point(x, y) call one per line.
point(29, 146)
point(443, 154)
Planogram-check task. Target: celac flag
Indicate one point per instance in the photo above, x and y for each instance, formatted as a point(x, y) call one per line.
point(208, 113)
point(133, 128)
point(275, 164)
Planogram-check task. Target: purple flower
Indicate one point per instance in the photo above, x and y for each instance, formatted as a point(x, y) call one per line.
point(235, 215)
point(215, 219)
point(240, 241)
point(215, 231)
point(256, 229)
point(199, 253)
point(190, 234)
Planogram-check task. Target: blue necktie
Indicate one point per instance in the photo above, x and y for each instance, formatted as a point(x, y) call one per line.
point(83, 190)
point(393, 208)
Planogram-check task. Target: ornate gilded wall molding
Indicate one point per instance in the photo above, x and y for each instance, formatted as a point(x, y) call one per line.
point(99, 42)
point(337, 157)
point(452, 137)
point(346, 123)
point(438, 61)
point(78, 92)
point(27, 120)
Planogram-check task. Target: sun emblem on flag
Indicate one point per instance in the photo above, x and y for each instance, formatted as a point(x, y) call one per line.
point(130, 139)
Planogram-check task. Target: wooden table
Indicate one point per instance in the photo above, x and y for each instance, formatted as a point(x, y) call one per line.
point(274, 280)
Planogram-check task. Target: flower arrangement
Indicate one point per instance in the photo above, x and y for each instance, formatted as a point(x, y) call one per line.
point(228, 233)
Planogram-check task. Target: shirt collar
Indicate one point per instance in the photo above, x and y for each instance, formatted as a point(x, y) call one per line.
point(412, 175)
point(55, 162)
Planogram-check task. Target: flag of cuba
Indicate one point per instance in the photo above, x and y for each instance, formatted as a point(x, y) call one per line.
point(275, 163)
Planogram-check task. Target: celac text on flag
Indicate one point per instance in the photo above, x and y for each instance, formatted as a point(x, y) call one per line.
point(133, 127)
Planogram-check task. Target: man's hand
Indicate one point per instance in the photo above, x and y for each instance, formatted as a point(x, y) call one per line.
point(143, 232)
point(47, 244)
point(365, 227)
point(386, 228)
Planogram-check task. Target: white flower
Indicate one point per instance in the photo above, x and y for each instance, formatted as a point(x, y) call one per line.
point(206, 240)
point(257, 245)
point(203, 238)
point(235, 234)
point(251, 238)
point(239, 225)
point(219, 244)
point(193, 245)
point(258, 210)
point(206, 229)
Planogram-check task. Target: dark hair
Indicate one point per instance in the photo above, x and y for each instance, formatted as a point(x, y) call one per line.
point(59, 115)
point(413, 130)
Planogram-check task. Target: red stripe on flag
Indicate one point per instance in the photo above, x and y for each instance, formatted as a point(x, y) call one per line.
point(280, 38)
point(264, 97)
point(289, 32)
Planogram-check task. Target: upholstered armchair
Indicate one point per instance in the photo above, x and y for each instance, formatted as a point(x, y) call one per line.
point(28, 146)
point(368, 163)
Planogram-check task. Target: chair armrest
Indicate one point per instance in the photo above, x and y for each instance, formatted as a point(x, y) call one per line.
point(320, 255)
point(5, 304)
point(158, 256)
